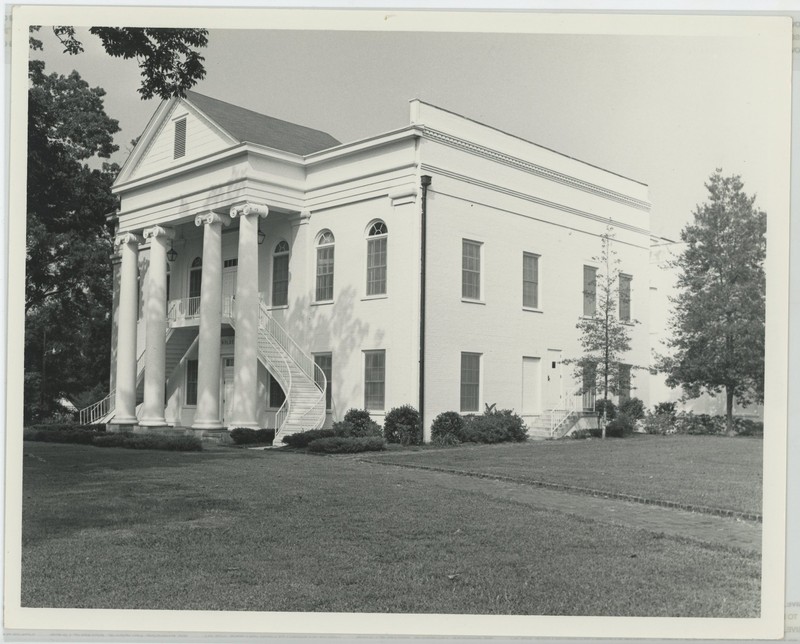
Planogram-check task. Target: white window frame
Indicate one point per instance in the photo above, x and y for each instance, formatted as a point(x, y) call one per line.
point(461, 382)
point(372, 239)
point(481, 297)
point(538, 261)
point(364, 371)
point(323, 244)
point(275, 255)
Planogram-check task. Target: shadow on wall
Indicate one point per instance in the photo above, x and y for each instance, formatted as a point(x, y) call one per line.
point(334, 328)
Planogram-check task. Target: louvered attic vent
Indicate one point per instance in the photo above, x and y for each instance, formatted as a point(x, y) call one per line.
point(180, 139)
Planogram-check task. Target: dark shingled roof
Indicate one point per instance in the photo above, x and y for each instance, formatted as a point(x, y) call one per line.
point(253, 127)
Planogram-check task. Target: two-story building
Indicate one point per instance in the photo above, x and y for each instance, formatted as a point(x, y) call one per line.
point(269, 276)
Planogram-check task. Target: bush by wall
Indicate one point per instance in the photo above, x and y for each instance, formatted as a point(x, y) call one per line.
point(633, 408)
point(402, 425)
point(65, 427)
point(359, 423)
point(655, 423)
point(608, 405)
point(665, 409)
point(346, 445)
point(620, 427)
point(248, 435)
point(78, 435)
point(302, 439)
point(496, 426)
point(447, 428)
point(150, 441)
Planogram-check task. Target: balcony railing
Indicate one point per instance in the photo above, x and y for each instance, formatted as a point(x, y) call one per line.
point(187, 308)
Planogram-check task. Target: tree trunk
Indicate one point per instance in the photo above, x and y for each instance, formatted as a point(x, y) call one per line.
point(729, 410)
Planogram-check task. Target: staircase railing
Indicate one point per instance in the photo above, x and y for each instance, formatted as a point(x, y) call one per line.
point(283, 375)
point(558, 417)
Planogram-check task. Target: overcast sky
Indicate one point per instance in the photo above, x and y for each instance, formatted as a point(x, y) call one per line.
point(663, 110)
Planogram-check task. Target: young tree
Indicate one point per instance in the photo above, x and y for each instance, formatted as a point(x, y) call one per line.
point(169, 58)
point(605, 338)
point(718, 318)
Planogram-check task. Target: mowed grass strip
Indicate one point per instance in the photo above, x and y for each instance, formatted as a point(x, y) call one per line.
point(276, 530)
point(713, 471)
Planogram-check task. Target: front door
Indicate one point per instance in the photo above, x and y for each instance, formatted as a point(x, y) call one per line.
point(553, 382)
point(227, 389)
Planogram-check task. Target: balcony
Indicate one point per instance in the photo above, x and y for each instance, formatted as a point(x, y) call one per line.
point(186, 311)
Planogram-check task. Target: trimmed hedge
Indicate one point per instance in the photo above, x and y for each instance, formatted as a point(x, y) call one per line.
point(402, 425)
point(302, 439)
point(687, 422)
point(248, 435)
point(346, 445)
point(360, 428)
point(66, 427)
point(497, 426)
point(79, 436)
point(150, 441)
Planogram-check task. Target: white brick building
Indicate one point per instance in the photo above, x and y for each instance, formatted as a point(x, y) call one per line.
point(297, 256)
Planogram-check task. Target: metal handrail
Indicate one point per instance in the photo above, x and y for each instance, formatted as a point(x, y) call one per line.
point(559, 416)
point(183, 309)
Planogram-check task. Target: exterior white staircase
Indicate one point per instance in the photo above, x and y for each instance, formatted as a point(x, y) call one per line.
point(301, 379)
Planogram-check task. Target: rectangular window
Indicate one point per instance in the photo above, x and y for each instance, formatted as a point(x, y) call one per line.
point(374, 379)
point(376, 266)
point(276, 395)
point(324, 274)
point(589, 290)
point(191, 382)
point(180, 139)
point(625, 297)
point(230, 263)
point(280, 280)
point(624, 382)
point(325, 362)
point(470, 269)
point(530, 280)
point(470, 381)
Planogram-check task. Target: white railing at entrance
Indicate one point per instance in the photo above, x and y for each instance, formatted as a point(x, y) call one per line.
point(559, 417)
point(187, 308)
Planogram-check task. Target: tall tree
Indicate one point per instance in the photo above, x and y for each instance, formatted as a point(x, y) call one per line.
point(68, 241)
point(169, 59)
point(604, 337)
point(718, 318)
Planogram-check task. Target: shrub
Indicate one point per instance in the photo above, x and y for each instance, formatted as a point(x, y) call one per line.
point(447, 428)
point(496, 426)
point(687, 422)
point(633, 408)
point(620, 427)
point(658, 423)
point(346, 445)
point(80, 436)
point(302, 439)
point(748, 427)
point(610, 409)
point(248, 435)
point(665, 409)
point(402, 425)
point(346, 429)
point(579, 434)
point(150, 441)
point(66, 427)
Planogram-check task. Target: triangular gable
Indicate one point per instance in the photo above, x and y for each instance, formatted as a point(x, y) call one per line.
point(155, 150)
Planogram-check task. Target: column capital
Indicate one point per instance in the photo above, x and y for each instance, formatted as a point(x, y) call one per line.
point(300, 218)
point(247, 209)
point(159, 231)
point(211, 217)
point(127, 238)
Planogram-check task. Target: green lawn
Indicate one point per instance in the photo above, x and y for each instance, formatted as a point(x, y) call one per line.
point(279, 530)
point(713, 471)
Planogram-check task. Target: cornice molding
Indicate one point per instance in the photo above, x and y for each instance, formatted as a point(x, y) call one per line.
point(533, 168)
point(528, 197)
point(209, 218)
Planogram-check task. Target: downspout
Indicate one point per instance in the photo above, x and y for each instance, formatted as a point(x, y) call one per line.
point(425, 180)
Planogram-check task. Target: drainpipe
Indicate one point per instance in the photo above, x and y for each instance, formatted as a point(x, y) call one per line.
point(425, 182)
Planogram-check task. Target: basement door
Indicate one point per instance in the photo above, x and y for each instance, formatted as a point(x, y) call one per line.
point(227, 389)
point(553, 381)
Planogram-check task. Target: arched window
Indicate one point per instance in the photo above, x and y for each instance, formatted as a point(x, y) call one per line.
point(280, 274)
point(324, 290)
point(377, 236)
point(195, 277)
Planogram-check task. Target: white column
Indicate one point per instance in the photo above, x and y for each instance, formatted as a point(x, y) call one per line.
point(155, 310)
point(125, 400)
point(207, 415)
point(245, 356)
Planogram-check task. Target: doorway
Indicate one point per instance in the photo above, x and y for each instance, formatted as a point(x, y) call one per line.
point(227, 389)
